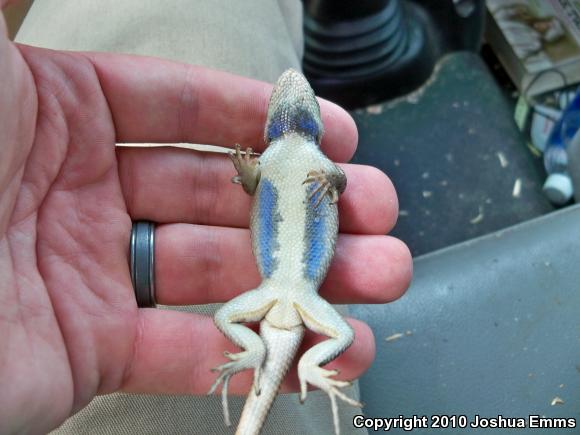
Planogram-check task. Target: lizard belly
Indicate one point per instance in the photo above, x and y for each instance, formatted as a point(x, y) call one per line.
point(293, 239)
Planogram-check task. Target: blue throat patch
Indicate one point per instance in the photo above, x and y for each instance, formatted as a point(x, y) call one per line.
point(294, 121)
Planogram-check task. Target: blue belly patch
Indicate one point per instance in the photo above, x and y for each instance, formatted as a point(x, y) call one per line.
point(316, 254)
point(268, 222)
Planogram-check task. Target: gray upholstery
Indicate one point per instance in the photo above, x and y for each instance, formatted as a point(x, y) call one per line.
point(495, 329)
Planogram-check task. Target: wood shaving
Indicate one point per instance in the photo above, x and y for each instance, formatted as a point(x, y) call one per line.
point(398, 335)
point(517, 190)
point(503, 161)
point(557, 401)
point(477, 219)
point(375, 109)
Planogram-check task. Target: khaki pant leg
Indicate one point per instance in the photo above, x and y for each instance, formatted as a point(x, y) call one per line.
point(253, 38)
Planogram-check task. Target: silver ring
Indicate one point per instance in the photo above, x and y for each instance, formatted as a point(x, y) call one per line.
point(143, 262)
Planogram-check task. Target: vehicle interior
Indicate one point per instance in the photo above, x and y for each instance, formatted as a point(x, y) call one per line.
point(490, 324)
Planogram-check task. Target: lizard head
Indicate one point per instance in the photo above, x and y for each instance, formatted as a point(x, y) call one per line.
point(293, 108)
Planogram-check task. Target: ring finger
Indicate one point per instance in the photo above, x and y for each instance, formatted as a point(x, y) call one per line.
point(197, 264)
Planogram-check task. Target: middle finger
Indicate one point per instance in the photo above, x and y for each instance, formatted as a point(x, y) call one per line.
point(198, 264)
point(169, 184)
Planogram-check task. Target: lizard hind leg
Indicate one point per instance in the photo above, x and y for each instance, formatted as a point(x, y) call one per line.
point(322, 318)
point(251, 306)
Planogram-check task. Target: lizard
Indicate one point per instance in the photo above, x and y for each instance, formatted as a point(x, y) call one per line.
point(293, 227)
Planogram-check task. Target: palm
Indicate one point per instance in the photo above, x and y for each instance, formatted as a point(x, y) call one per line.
point(71, 314)
point(71, 327)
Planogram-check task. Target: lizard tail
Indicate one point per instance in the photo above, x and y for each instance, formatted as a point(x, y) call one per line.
point(282, 345)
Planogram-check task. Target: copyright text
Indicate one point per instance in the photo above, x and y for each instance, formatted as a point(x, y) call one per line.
point(443, 421)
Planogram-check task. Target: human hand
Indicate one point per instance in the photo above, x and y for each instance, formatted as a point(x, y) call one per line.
point(70, 325)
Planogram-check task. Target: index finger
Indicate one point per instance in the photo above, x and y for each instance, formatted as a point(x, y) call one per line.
point(154, 100)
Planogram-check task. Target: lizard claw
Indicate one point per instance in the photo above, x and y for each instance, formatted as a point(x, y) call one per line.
point(322, 187)
point(238, 362)
point(226, 370)
point(321, 378)
point(225, 378)
point(247, 166)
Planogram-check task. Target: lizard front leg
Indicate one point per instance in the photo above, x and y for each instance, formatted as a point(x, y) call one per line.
point(248, 307)
point(322, 318)
point(331, 183)
point(248, 167)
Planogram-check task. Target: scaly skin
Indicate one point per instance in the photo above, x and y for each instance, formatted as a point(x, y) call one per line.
point(294, 226)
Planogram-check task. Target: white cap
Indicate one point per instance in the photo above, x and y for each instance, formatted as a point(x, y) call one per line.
point(558, 188)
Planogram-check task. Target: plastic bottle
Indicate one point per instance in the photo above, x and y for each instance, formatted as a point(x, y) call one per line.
point(574, 157)
point(558, 186)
